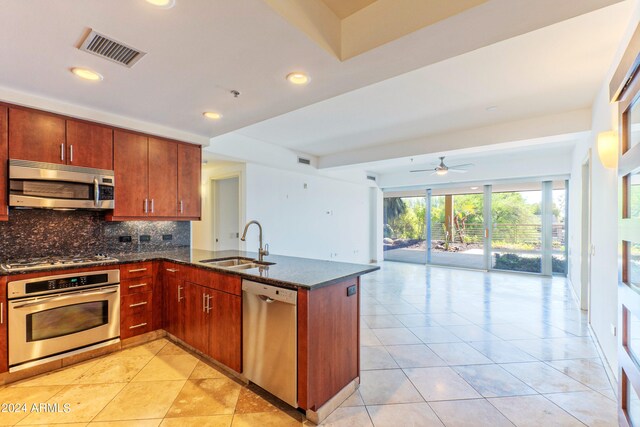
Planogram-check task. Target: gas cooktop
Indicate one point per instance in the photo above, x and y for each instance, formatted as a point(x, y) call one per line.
point(54, 262)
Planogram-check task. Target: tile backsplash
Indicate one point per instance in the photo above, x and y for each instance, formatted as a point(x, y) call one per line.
point(44, 232)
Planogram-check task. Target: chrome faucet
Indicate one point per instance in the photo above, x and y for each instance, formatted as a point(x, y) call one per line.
point(261, 252)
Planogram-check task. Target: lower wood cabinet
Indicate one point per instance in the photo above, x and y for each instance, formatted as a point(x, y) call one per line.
point(138, 312)
point(206, 318)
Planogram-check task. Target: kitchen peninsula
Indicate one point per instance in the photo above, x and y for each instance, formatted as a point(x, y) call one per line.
point(199, 304)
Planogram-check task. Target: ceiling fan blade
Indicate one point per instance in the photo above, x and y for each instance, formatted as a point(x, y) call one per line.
point(466, 165)
point(458, 170)
point(422, 170)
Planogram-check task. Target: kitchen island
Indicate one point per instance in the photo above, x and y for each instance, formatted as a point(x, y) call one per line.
point(199, 304)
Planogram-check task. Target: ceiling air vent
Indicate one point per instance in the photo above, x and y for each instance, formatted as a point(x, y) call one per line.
point(104, 47)
point(371, 177)
point(304, 161)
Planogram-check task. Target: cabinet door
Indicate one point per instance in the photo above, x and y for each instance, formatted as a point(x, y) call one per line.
point(131, 175)
point(196, 319)
point(36, 136)
point(189, 170)
point(225, 335)
point(89, 145)
point(4, 152)
point(174, 302)
point(163, 177)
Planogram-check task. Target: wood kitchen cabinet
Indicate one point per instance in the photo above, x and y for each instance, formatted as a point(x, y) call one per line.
point(163, 178)
point(189, 176)
point(36, 136)
point(203, 308)
point(4, 152)
point(174, 300)
point(137, 296)
point(89, 145)
point(155, 178)
point(44, 137)
point(131, 175)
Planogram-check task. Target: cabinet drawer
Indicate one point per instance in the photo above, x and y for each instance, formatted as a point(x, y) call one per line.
point(214, 280)
point(136, 314)
point(134, 271)
point(136, 286)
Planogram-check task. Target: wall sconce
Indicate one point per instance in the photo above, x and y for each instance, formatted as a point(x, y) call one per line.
point(608, 149)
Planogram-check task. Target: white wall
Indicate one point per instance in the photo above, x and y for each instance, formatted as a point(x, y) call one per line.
point(604, 231)
point(329, 219)
point(202, 231)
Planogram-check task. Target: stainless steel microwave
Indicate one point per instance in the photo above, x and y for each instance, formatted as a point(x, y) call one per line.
point(53, 186)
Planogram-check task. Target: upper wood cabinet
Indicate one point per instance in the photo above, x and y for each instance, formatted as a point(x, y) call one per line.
point(163, 178)
point(89, 145)
point(189, 170)
point(43, 137)
point(4, 152)
point(155, 178)
point(36, 136)
point(130, 155)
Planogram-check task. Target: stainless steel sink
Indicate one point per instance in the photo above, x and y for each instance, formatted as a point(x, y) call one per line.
point(236, 263)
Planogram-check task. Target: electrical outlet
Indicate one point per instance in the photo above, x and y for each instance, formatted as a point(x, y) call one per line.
point(125, 239)
point(613, 330)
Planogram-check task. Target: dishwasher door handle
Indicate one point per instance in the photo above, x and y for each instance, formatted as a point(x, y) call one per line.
point(266, 299)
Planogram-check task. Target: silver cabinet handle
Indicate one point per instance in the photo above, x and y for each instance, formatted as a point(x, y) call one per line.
point(151, 205)
point(146, 206)
point(138, 304)
point(137, 286)
point(140, 325)
point(62, 151)
point(96, 191)
point(1, 313)
point(71, 153)
point(181, 207)
point(172, 270)
point(137, 270)
point(208, 303)
point(180, 298)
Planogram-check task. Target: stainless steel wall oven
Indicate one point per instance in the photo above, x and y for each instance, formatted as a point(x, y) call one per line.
point(51, 317)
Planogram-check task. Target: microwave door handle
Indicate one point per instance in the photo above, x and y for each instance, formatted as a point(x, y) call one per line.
point(96, 191)
point(65, 297)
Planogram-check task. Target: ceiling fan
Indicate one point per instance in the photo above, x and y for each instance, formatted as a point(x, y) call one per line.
point(443, 169)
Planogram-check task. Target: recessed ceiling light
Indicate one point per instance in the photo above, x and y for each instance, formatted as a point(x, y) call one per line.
point(164, 4)
point(492, 108)
point(212, 115)
point(474, 188)
point(86, 74)
point(298, 78)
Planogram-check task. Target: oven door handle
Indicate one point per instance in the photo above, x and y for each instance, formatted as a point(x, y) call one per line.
point(65, 297)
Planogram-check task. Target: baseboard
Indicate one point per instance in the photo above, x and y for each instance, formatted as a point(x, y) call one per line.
point(613, 379)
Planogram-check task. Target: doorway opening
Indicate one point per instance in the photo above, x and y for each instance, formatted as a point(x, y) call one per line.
point(226, 213)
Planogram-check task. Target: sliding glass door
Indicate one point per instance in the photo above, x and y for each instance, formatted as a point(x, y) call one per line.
point(405, 228)
point(519, 227)
point(456, 222)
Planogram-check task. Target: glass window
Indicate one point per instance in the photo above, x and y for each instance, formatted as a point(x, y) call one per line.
point(633, 403)
point(405, 229)
point(66, 320)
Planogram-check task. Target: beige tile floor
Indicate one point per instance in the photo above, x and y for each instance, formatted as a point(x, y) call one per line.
point(440, 347)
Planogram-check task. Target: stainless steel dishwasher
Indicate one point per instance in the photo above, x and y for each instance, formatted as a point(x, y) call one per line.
point(269, 339)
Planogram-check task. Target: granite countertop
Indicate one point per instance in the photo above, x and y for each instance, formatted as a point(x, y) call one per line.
point(286, 271)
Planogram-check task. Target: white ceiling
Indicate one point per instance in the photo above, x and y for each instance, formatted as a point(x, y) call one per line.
point(201, 49)
point(553, 69)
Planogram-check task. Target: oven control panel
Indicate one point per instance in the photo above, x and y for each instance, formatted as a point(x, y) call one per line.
point(66, 282)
